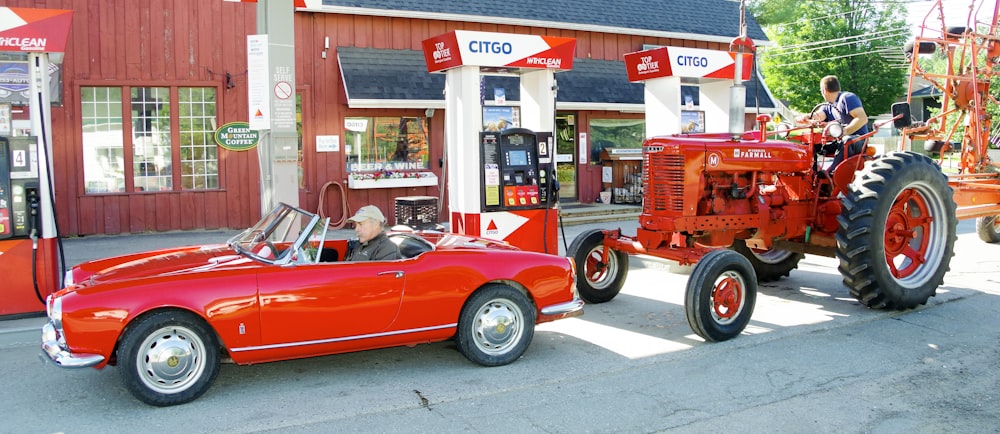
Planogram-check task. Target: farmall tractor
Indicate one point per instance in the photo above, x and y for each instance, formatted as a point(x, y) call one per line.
point(746, 206)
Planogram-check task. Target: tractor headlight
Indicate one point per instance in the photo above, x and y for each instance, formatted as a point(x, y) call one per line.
point(782, 129)
point(834, 129)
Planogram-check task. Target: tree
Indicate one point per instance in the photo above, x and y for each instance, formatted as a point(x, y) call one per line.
point(859, 41)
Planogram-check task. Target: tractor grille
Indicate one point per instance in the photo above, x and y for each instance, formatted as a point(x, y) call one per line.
point(663, 177)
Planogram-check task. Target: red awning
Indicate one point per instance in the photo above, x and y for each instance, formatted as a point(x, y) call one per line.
point(43, 30)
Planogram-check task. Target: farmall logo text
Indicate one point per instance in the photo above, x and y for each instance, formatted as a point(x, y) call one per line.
point(441, 54)
point(25, 44)
point(760, 154)
point(647, 65)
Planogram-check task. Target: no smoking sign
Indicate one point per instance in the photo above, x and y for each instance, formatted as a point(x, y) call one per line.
point(282, 90)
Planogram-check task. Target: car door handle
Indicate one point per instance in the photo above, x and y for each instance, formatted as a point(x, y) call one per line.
point(399, 274)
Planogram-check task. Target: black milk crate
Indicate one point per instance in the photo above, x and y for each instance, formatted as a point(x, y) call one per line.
point(416, 211)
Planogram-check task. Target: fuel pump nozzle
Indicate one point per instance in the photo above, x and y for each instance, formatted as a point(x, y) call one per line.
point(31, 196)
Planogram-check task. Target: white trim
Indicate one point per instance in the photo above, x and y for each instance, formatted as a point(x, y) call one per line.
point(600, 106)
point(347, 10)
point(343, 339)
point(395, 103)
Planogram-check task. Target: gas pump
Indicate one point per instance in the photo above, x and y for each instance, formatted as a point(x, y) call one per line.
point(20, 227)
point(513, 176)
point(501, 183)
point(518, 189)
point(29, 239)
point(19, 198)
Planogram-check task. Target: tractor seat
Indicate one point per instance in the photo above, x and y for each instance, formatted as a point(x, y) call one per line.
point(410, 245)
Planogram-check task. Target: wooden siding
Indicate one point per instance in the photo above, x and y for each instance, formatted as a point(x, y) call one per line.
point(196, 42)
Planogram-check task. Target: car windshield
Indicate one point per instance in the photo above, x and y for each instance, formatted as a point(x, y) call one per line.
point(284, 235)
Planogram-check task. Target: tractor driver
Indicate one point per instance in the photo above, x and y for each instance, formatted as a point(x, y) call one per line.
point(846, 108)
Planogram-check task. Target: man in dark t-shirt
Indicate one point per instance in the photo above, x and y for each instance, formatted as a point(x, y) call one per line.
point(372, 244)
point(846, 108)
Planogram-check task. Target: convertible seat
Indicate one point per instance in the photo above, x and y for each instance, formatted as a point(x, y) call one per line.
point(410, 245)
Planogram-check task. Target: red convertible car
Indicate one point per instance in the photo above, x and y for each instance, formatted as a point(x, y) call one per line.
point(277, 291)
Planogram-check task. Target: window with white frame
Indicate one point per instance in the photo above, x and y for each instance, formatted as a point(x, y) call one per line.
point(171, 127)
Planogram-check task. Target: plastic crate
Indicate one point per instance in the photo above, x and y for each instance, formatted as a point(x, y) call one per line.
point(416, 211)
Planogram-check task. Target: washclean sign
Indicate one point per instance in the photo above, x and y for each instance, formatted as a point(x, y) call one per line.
point(237, 136)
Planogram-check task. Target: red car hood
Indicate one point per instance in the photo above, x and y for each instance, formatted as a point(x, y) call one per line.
point(173, 261)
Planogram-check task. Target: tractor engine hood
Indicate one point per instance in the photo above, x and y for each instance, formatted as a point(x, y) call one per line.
point(717, 153)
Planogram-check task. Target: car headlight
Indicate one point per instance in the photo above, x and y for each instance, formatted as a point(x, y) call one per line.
point(54, 311)
point(834, 129)
point(68, 279)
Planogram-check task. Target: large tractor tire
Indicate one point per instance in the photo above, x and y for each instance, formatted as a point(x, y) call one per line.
point(598, 278)
point(721, 294)
point(988, 228)
point(897, 232)
point(770, 265)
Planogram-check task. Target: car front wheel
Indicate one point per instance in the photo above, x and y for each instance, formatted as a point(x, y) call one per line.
point(496, 325)
point(168, 358)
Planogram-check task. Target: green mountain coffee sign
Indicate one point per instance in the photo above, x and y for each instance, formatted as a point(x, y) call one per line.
point(237, 136)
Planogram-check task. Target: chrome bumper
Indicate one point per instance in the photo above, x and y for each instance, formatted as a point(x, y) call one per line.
point(61, 357)
point(564, 310)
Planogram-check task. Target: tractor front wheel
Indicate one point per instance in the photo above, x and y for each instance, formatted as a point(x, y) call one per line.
point(720, 295)
point(988, 228)
point(600, 271)
point(897, 232)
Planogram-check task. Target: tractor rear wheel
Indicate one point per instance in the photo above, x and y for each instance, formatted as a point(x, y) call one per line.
point(770, 265)
point(720, 296)
point(988, 228)
point(897, 232)
point(598, 278)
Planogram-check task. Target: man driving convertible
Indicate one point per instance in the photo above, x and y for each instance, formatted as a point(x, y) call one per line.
point(843, 107)
point(372, 243)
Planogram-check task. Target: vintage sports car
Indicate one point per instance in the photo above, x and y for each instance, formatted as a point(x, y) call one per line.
point(277, 291)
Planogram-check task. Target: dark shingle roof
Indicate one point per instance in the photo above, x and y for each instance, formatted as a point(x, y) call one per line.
point(380, 74)
point(718, 18)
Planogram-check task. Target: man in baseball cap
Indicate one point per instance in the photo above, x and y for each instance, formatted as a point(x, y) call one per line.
point(372, 244)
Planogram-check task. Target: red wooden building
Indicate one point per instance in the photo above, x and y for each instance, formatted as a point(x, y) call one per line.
point(144, 85)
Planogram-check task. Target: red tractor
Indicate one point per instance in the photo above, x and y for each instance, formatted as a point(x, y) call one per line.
point(746, 206)
point(747, 209)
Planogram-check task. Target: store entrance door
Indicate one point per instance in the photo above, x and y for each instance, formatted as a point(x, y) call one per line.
point(566, 156)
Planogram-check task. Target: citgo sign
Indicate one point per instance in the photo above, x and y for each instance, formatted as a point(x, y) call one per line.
point(237, 136)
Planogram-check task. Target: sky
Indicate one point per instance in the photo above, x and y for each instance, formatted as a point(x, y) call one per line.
point(955, 12)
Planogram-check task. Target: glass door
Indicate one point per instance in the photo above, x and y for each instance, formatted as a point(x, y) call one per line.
point(566, 156)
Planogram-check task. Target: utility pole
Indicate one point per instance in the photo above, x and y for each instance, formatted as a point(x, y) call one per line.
point(272, 102)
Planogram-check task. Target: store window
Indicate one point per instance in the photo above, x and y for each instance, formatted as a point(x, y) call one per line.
point(615, 133)
point(199, 153)
point(386, 144)
point(151, 168)
point(162, 138)
point(103, 146)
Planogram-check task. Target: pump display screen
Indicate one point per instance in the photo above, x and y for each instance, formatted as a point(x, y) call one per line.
point(517, 158)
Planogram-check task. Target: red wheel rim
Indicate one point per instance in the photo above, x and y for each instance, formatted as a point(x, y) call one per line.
point(595, 268)
point(727, 297)
point(907, 234)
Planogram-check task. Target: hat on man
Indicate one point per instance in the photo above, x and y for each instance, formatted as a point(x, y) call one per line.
point(368, 212)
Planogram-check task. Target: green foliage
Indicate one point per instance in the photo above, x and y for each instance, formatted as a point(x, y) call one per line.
point(851, 39)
